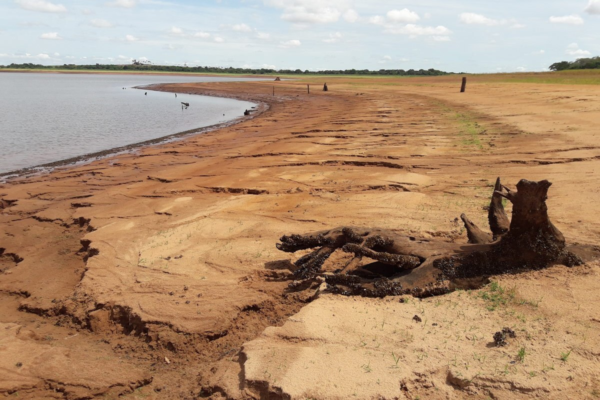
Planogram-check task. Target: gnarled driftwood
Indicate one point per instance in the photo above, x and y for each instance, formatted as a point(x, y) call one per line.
point(425, 267)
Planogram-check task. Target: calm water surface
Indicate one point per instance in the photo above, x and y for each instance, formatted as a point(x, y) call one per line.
point(51, 117)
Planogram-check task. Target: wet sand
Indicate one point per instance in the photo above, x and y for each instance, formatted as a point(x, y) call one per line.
point(155, 274)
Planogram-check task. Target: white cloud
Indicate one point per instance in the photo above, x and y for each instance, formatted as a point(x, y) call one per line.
point(291, 43)
point(567, 19)
point(131, 38)
point(123, 3)
point(399, 22)
point(333, 38)
point(350, 16)
point(574, 50)
point(175, 31)
point(313, 11)
point(539, 52)
point(41, 56)
point(403, 16)
point(593, 7)
point(387, 58)
point(377, 20)
point(41, 5)
point(87, 12)
point(268, 66)
point(101, 23)
point(418, 30)
point(241, 28)
point(521, 69)
point(202, 35)
point(441, 38)
point(50, 36)
point(478, 19)
point(219, 39)
point(263, 36)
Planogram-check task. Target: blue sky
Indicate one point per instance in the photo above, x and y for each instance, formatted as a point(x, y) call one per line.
point(460, 35)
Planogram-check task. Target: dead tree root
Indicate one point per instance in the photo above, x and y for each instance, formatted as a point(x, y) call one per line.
point(424, 267)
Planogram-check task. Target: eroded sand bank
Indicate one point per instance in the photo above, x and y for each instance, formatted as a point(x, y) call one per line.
point(160, 267)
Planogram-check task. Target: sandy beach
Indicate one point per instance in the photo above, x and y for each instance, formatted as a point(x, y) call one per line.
point(155, 275)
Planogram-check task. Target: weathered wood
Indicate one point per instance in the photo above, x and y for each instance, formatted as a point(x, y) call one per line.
point(426, 267)
point(463, 87)
point(498, 220)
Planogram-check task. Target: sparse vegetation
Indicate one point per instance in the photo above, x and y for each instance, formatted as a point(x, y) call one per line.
point(496, 296)
point(521, 354)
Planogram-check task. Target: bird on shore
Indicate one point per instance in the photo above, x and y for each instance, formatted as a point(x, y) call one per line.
point(175, 94)
point(186, 105)
point(146, 94)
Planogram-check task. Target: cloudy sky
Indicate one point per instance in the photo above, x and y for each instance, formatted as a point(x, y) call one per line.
point(459, 35)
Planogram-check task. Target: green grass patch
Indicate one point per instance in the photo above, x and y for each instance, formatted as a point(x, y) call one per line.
point(496, 296)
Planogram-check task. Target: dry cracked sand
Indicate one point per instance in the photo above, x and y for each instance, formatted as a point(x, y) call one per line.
point(155, 274)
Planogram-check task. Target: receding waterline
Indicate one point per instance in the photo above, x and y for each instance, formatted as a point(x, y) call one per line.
point(49, 119)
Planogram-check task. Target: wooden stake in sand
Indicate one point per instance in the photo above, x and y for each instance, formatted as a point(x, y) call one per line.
point(308, 88)
point(464, 84)
point(273, 90)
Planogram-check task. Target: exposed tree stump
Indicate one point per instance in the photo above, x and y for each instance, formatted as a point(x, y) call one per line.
point(325, 88)
point(463, 87)
point(425, 267)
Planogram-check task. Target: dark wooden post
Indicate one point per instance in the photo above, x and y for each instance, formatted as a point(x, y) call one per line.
point(273, 90)
point(308, 88)
point(325, 87)
point(464, 85)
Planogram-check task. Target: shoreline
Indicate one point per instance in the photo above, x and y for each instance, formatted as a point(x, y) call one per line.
point(108, 72)
point(162, 271)
point(261, 107)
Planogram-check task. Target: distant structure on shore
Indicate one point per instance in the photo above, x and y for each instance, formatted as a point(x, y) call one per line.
point(278, 79)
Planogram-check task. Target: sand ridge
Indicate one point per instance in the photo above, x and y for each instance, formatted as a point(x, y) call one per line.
point(166, 257)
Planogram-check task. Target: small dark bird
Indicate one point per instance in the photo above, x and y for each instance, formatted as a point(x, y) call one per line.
point(246, 112)
point(146, 93)
point(186, 105)
point(175, 94)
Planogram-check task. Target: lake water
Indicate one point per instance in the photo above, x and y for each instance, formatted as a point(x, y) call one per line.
point(52, 117)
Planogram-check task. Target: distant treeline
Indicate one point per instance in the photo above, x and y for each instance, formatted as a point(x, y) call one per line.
point(582, 63)
point(230, 70)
